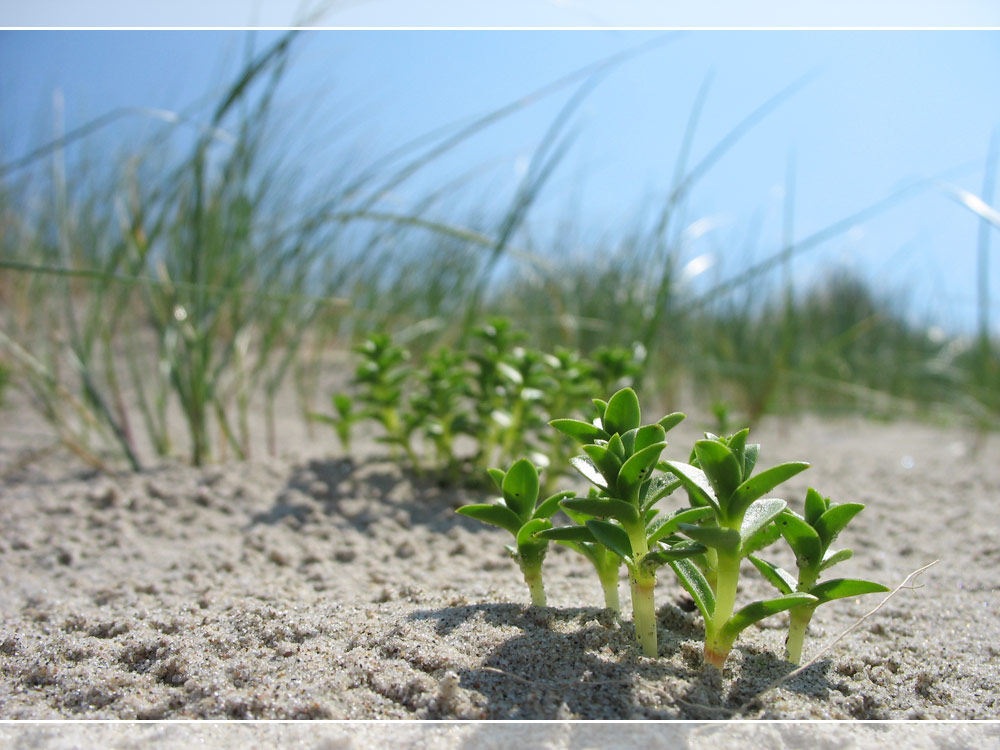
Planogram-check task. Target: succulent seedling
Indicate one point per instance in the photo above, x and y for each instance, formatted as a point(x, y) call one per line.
point(606, 562)
point(621, 456)
point(440, 406)
point(810, 538)
point(738, 524)
point(381, 378)
point(519, 512)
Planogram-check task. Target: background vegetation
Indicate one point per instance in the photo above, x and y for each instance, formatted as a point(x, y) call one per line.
point(199, 275)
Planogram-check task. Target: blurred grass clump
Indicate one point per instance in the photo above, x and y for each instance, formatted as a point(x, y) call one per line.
point(155, 304)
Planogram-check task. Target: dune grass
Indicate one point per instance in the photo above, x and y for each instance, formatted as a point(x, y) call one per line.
point(205, 279)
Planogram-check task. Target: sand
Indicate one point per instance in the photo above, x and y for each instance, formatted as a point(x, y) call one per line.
point(314, 585)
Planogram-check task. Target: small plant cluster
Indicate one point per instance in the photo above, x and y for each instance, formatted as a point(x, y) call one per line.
point(490, 390)
point(729, 518)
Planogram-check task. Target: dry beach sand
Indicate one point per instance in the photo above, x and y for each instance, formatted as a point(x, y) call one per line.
point(317, 586)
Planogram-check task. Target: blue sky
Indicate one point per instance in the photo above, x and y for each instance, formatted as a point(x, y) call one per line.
point(602, 13)
point(881, 108)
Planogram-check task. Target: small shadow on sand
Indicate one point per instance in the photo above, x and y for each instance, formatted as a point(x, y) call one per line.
point(562, 662)
point(748, 694)
point(361, 493)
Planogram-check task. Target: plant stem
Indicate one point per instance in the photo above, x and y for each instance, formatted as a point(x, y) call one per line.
point(716, 646)
point(644, 611)
point(799, 621)
point(642, 585)
point(533, 577)
point(609, 582)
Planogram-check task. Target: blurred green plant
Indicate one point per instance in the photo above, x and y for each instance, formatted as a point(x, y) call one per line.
point(488, 389)
point(206, 281)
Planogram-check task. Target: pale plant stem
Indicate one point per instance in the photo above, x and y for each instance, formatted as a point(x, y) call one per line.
point(642, 585)
point(797, 625)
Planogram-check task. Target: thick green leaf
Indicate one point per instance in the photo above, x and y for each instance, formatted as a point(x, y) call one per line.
point(550, 506)
point(510, 373)
point(613, 537)
point(693, 581)
point(760, 514)
point(831, 523)
point(498, 515)
point(750, 455)
point(765, 537)
point(721, 468)
point(602, 406)
point(520, 488)
point(695, 482)
point(757, 611)
point(803, 540)
point(663, 554)
point(663, 526)
point(657, 488)
point(622, 413)
point(605, 461)
point(781, 579)
point(637, 469)
point(617, 448)
point(526, 534)
point(831, 558)
point(497, 476)
point(589, 471)
point(840, 588)
point(648, 435)
point(760, 484)
point(670, 421)
point(712, 536)
point(343, 404)
point(816, 505)
point(584, 432)
point(628, 442)
point(737, 444)
point(568, 534)
point(625, 512)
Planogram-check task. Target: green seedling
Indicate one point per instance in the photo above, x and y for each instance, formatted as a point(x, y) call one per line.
point(620, 456)
point(810, 538)
point(494, 385)
point(569, 380)
point(517, 512)
point(439, 407)
point(579, 538)
point(381, 379)
point(740, 522)
point(616, 367)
